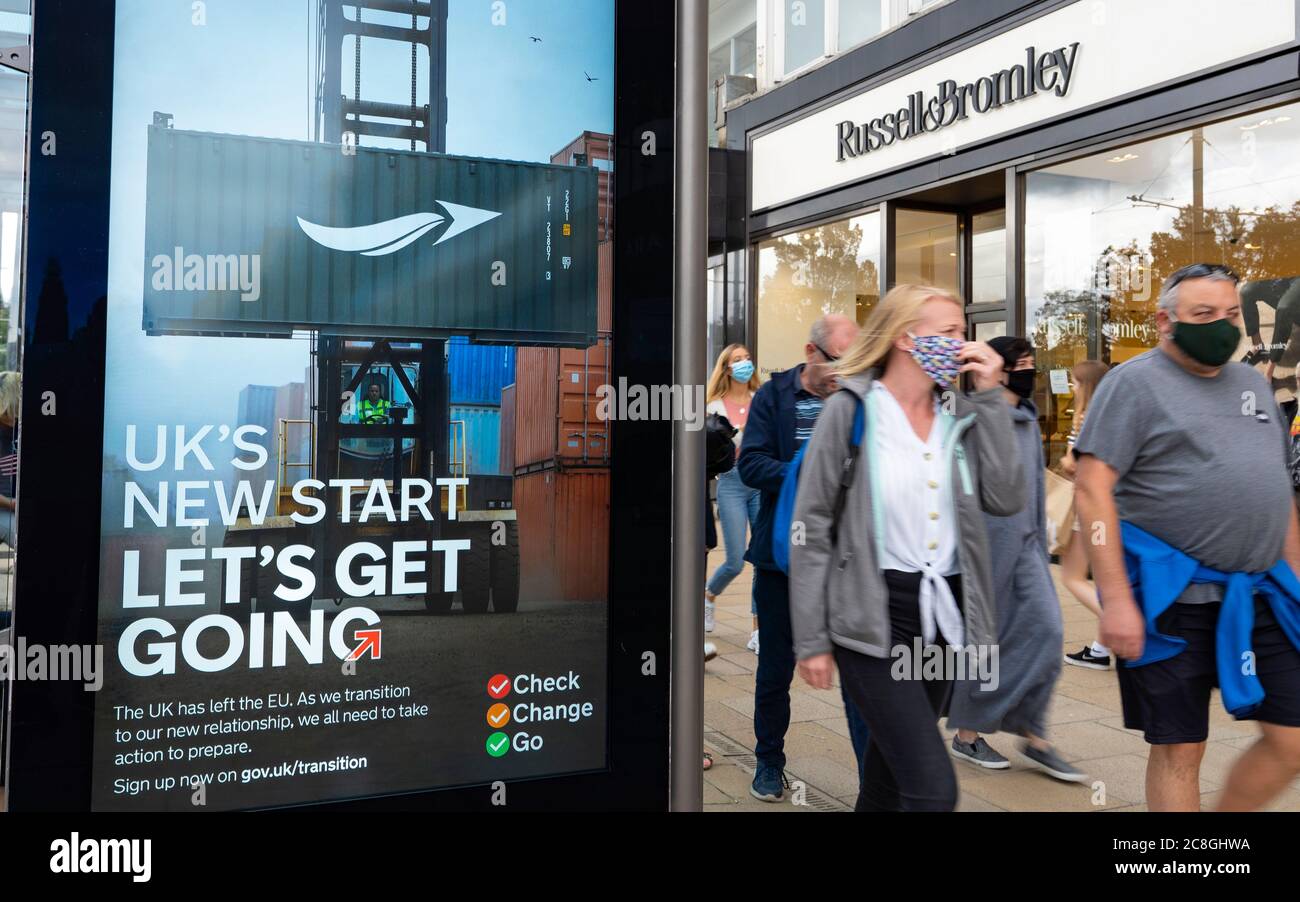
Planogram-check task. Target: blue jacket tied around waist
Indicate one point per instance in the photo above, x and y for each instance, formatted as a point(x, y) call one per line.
point(1159, 572)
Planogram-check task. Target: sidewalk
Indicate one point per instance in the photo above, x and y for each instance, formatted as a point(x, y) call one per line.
point(1086, 727)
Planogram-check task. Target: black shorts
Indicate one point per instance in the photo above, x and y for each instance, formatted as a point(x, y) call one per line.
point(1169, 701)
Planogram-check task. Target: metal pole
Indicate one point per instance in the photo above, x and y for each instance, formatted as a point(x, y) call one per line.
point(690, 250)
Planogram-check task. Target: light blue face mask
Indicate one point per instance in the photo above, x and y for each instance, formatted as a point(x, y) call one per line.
point(742, 370)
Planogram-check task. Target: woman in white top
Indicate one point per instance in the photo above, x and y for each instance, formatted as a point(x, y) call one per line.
point(730, 390)
point(894, 563)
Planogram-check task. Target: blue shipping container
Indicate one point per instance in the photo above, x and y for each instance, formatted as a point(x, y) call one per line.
point(479, 372)
point(482, 438)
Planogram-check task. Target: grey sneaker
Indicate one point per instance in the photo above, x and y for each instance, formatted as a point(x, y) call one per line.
point(1052, 764)
point(978, 752)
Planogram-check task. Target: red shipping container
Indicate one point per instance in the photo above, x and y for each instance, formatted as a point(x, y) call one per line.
point(605, 288)
point(563, 520)
point(556, 406)
point(598, 147)
point(507, 439)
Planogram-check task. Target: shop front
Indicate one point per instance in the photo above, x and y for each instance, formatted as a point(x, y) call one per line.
point(1052, 163)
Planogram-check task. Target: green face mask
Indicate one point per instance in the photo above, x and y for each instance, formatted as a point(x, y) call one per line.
point(1208, 343)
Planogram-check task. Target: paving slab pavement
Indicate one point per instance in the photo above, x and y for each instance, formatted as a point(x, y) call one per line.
point(1086, 726)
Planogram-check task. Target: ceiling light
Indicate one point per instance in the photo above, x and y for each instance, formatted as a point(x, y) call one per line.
point(1124, 158)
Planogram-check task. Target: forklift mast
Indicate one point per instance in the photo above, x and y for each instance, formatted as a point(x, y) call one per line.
point(337, 116)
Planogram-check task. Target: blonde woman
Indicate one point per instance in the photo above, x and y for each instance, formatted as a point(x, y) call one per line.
point(731, 389)
point(899, 559)
point(1084, 378)
point(10, 402)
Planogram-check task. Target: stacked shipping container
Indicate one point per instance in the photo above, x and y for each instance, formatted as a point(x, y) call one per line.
point(477, 375)
point(595, 149)
point(559, 446)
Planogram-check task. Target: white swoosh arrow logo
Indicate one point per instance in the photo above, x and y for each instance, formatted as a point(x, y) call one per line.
point(382, 238)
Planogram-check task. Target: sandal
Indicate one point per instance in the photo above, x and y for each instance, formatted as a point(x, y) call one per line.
point(708, 761)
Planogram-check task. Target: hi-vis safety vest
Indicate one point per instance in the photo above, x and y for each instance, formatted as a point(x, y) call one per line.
point(376, 412)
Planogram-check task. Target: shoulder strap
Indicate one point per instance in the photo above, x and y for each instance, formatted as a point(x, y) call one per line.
point(849, 468)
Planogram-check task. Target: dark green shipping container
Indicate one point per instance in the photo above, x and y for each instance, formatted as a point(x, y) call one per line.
point(374, 243)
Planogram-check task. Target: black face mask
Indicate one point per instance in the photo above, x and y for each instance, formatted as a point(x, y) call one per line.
point(1021, 382)
point(1210, 343)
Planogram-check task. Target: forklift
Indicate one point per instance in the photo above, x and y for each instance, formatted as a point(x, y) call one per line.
point(417, 441)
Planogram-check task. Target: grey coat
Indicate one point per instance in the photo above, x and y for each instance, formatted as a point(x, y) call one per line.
point(838, 594)
point(1030, 632)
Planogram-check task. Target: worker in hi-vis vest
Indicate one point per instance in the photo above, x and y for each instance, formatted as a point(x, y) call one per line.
point(374, 409)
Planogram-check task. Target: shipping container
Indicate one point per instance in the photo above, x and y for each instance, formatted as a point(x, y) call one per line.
point(378, 242)
point(605, 288)
point(595, 149)
point(477, 373)
point(480, 428)
point(563, 534)
point(507, 458)
point(556, 406)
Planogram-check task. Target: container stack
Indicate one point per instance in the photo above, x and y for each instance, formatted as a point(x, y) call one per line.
point(477, 375)
point(560, 448)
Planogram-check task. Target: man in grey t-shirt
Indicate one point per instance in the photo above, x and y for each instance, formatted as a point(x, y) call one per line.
point(1192, 449)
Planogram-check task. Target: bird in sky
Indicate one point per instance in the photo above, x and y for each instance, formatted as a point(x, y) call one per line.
point(589, 77)
point(534, 39)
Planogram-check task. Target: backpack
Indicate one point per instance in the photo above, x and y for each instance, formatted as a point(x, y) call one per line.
point(783, 516)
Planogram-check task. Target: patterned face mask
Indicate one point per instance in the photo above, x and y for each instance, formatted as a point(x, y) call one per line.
point(937, 355)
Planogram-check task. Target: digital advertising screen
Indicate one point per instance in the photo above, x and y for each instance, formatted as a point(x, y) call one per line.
point(354, 529)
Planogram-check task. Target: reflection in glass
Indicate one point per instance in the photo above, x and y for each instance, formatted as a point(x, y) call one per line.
point(1102, 233)
point(832, 268)
point(15, 30)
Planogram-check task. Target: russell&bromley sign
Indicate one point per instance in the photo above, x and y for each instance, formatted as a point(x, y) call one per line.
point(1051, 71)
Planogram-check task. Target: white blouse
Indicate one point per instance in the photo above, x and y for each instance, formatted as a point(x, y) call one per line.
point(913, 481)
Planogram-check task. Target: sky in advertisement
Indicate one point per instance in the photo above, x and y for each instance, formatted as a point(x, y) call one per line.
point(248, 70)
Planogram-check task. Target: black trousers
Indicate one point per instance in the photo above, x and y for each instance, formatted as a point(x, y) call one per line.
point(907, 766)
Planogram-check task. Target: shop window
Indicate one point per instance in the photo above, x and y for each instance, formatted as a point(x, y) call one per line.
point(717, 301)
point(832, 268)
point(989, 257)
point(1103, 232)
point(987, 331)
point(926, 249)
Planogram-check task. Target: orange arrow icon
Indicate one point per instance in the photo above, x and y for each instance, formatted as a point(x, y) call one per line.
point(369, 642)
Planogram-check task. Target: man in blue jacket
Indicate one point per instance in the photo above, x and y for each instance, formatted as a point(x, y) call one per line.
point(781, 419)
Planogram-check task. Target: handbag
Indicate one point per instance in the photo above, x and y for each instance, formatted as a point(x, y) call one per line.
point(1060, 512)
point(720, 450)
